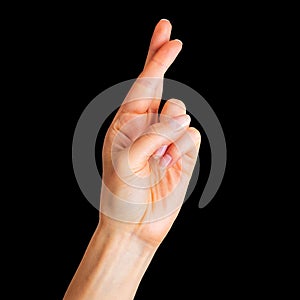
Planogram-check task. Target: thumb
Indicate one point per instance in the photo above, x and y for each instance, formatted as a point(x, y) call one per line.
point(156, 136)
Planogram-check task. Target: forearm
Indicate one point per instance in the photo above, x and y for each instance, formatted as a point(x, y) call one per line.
point(112, 266)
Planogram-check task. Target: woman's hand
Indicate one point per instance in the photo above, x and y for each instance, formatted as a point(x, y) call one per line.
point(148, 159)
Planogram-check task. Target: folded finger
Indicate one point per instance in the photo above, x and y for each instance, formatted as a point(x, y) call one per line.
point(188, 144)
point(155, 137)
point(172, 108)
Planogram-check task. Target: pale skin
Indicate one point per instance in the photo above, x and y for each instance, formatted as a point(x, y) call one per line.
point(148, 161)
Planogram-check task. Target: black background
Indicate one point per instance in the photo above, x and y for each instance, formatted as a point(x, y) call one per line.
point(75, 53)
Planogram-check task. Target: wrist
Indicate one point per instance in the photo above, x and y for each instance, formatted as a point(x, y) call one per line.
point(113, 265)
point(124, 234)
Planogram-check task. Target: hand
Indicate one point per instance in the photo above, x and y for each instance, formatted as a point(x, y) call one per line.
point(148, 159)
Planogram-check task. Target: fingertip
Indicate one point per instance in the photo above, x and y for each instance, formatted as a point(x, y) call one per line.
point(179, 41)
point(173, 48)
point(165, 21)
point(176, 44)
point(196, 136)
point(164, 25)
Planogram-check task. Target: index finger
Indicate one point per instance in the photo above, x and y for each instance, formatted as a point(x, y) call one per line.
point(148, 86)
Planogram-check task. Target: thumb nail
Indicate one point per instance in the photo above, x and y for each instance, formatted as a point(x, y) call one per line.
point(160, 151)
point(165, 161)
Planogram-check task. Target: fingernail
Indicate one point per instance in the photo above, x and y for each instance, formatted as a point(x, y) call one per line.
point(182, 121)
point(165, 161)
point(180, 41)
point(164, 20)
point(160, 151)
